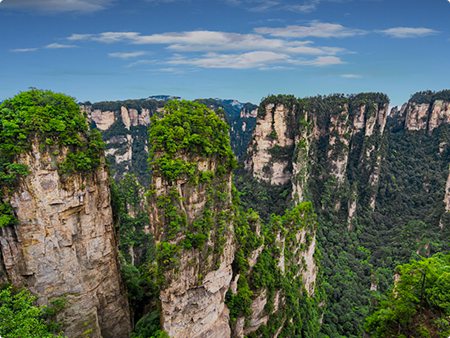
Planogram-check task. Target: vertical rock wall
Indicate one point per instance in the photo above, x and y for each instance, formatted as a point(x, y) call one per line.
point(64, 246)
point(193, 294)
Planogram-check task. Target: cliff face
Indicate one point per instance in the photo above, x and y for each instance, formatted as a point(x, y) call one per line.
point(61, 244)
point(424, 115)
point(193, 295)
point(283, 132)
point(192, 219)
point(124, 124)
point(294, 138)
point(274, 275)
point(358, 166)
point(64, 246)
point(272, 141)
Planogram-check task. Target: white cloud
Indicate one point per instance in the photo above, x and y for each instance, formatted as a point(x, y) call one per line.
point(256, 5)
point(126, 55)
point(259, 59)
point(300, 6)
point(223, 49)
point(59, 46)
point(57, 5)
point(305, 7)
point(23, 50)
point(106, 37)
point(141, 63)
point(255, 59)
point(210, 41)
point(315, 29)
point(322, 61)
point(409, 32)
point(351, 76)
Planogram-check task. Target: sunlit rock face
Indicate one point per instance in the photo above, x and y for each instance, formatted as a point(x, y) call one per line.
point(64, 246)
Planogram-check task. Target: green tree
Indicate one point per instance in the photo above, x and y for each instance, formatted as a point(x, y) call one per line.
point(418, 305)
point(20, 317)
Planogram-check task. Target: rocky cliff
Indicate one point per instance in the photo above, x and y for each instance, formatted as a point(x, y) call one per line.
point(61, 242)
point(273, 291)
point(192, 219)
point(358, 167)
point(124, 124)
point(425, 111)
point(223, 271)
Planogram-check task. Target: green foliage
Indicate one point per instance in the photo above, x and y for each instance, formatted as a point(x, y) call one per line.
point(369, 98)
point(299, 316)
point(187, 128)
point(137, 251)
point(289, 101)
point(54, 120)
point(168, 255)
point(241, 127)
point(419, 303)
point(261, 196)
point(7, 216)
point(20, 317)
point(429, 96)
point(149, 327)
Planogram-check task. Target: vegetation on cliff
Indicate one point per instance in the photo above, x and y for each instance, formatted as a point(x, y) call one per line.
point(54, 121)
point(276, 273)
point(187, 129)
point(360, 252)
point(21, 317)
point(429, 96)
point(418, 304)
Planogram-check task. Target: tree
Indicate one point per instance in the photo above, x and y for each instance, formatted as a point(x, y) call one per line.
point(20, 317)
point(418, 305)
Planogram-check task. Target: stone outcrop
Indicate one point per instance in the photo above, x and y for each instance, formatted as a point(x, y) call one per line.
point(292, 247)
point(192, 220)
point(447, 194)
point(103, 119)
point(193, 298)
point(292, 141)
point(440, 114)
point(124, 127)
point(416, 116)
point(426, 116)
point(64, 246)
point(271, 139)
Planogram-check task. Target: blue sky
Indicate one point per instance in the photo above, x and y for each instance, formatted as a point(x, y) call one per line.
point(242, 49)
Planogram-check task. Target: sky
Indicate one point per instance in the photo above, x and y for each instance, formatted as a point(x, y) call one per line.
point(96, 50)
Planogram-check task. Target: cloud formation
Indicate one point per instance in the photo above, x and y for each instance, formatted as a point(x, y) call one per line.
point(24, 50)
point(57, 6)
point(210, 41)
point(126, 55)
point(305, 6)
point(409, 32)
point(258, 59)
point(59, 46)
point(351, 76)
point(216, 49)
point(265, 47)
point(314, 29)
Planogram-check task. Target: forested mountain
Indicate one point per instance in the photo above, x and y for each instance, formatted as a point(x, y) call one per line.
point(379, 183)
point(298, 235)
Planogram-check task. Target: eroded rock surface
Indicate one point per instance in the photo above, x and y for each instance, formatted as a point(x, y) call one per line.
point(64, 246)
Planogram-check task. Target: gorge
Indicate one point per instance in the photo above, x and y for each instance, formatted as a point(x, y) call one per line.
point(297, 235)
